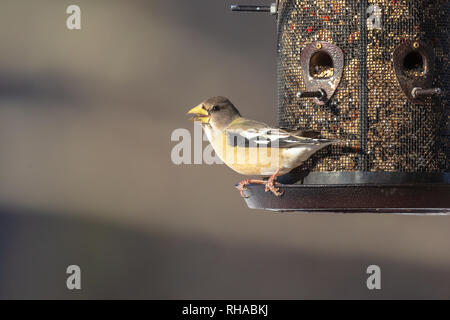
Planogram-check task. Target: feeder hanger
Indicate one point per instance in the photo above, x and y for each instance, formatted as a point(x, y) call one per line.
point(273, 8)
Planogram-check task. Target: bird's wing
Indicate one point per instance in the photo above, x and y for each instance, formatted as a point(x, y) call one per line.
point(249, 133)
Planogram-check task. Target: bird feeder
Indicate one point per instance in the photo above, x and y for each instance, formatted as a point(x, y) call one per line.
point(375, 74)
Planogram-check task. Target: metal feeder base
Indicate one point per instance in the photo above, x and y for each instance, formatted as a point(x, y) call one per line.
point(416, 193)
point(407, 199)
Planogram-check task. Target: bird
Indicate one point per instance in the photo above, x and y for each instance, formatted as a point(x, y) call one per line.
point(254, 148)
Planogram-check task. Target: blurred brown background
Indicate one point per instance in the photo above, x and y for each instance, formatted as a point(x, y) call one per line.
point(86, 176)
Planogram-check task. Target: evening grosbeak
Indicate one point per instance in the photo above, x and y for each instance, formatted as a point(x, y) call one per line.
point(254, 148)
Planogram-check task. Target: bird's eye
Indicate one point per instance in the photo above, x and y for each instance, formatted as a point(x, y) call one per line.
point(215, 108)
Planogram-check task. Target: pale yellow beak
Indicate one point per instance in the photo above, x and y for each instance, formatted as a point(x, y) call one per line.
point(200, 114)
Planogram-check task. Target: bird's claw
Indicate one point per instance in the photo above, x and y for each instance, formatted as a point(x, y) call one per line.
point(270, 186)
point(241, 187)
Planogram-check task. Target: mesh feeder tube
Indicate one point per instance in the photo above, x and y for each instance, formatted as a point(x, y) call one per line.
point(375, 74)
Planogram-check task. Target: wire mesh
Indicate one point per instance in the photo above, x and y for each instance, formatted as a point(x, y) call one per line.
point(383, 130)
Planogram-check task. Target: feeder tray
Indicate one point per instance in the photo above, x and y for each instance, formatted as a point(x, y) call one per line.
point(347, 192)
point(377, 76)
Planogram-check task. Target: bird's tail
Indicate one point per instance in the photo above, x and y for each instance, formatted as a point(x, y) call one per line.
point(330, 141)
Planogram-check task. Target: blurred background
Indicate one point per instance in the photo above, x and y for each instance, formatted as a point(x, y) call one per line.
point(86, 176)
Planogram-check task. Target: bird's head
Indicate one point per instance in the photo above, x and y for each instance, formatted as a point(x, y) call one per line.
point(218, 112)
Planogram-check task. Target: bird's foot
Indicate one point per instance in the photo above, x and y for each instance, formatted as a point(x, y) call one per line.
point(270, 186)
point(242, 185)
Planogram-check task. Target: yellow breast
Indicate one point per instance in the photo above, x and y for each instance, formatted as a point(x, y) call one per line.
point(248, 160)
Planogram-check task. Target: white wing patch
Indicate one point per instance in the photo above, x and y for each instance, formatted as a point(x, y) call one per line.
point(267, 137)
